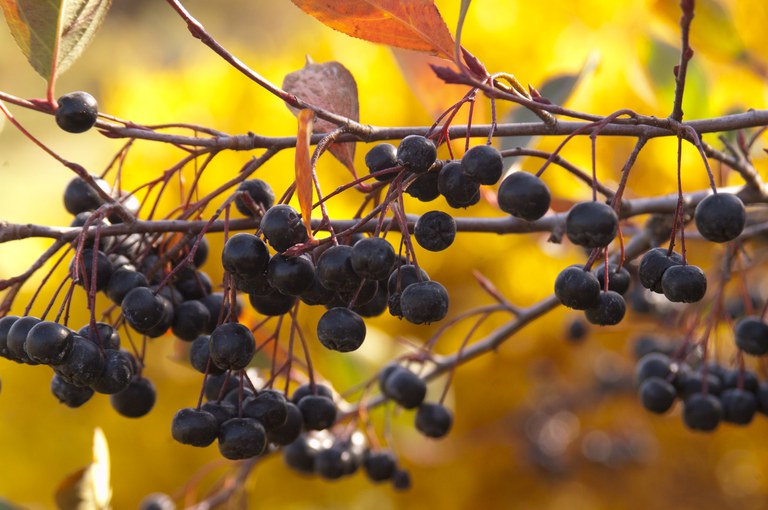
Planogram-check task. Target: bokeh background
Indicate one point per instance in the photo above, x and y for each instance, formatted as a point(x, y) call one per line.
point(544, 423)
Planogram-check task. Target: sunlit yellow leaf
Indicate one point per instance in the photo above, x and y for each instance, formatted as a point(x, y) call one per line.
point(89, 487)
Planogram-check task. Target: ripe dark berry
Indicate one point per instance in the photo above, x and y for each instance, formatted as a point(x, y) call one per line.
point(122, 281)
point(524, 195)
point(268, 407)
point(261, 195)
point(576, 288)
point(84, 364)
point(291, 275)
point(85, 273)
point(341, 329)
point(372, 258)
point(199, 356)
point(5, 326)
point(653, 265)
point(77, 112)
point(618, 281)
point(317, 294)
point(232, 346)
point(306, 389)
point(245, 255)
point(300, 456)
point(654, 364)
point(166, 321)
point(218, 311)
point(435, 230)
point(751, 334)
point(684, 284)
point(291, 429)
point(424, 302)
point(318, 412)
point(433, 420)
point(693, 383)
point(425, 187)
point(69, 394)
point(136, 400)
point(17, 338)
point(116, 374)
point(381, 157)
point(702, 412)
point(104, 335)
point(376, 306)
point(335, 270)
point(720, 218)
point(483, 164)
point(591, 224)
point(739, 406)
point(283, 228)
point(193, 427)
point(192, 284)
point(190, 320)
point(48, 343)
point(657, 395)
point(404, 387)
point(458, 189)
point(142, 309)
point(79, 197)
point(416, 153)
point(404, 276)
point(380, 465)
point(331, 463)
point(222, 411)
point(242, 438)
point(401, 480)
point(273, 303)
point(608, 311)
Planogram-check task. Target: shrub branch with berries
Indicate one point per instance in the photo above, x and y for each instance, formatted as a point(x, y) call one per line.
point(142, 274)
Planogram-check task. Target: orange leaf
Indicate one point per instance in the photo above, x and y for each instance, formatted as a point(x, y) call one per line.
point(413, 24)
point(304, 167)
point(330, 86)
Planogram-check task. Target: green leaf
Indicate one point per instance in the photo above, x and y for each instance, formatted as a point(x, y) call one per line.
point(557, 89)
point(52, 34)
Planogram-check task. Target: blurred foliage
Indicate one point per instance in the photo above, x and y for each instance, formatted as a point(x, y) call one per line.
point(540, 424)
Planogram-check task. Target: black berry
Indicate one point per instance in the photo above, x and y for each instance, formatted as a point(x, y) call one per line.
point(231, 346)
point(136, 400)
point(720, 218)
point(433, 420)
point(576, 288)
point(684, 284)
point(751, 335)
point(416, 153)
point(435, 230)
point(242, 438)
point(260, 194)
point(524, 195)
point(372, 258)
point(382, 156)
point(77, 112)
point(424, 302)
point(193, 427)
point(283, 228)
point(608, 311)
point(653, 265)
point(591, 224)
point(483, 164)
point(341, 329)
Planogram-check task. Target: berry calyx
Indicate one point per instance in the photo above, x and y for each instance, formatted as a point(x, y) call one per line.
point(435, 230)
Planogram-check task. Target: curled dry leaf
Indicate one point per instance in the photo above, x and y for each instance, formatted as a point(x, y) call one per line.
point(332, 87)
point(411, 25)
point(53, 34)
point(303, 164)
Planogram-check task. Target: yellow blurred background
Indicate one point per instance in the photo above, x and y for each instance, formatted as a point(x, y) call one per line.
point(540, 424)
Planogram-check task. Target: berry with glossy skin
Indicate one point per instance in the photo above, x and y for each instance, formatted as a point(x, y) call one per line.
point(458, 189)
point(245, 255)
point(435, 230)
point(261, 195)
point(425, 187)
point(136, 400)
point(86, 272)
point(306, 389)
point(404, 387)
point(84, 364)
point(720, 218)
point(424, 302)
point(317, 294)
point(591, 224)
point(380, 465)
point(222, 411)
point(693, 383)
point(290, 430)
point(331, 463)
point(166, 321)
point(79, 197)
point(335, 270)
point(192, 284)
point(268, 407)
point(654, 364)
point(273, 303)
point(48, 342)
point(382, 156)
point(684, 284)
point(576, 288)
point(433, 420)
point(702, 412)
point(372, 258)
point(116, 374)
point(751, 334)
point(69, 394)
point(657, 395)
point(404, 276)
point(232, 346)
point(341, 329)
point(77, 112)
point(193, 427)
point(291, 275)
point(618, 281)
point(142, 309)
point(190, 320)
point(200, 353)
point(524, 196)
point(608, 311)
point(318, 412)
point(242, 438)
point(218, 310)
point(17, 338)
point(739, 406)
point(483, 164)
point(300, 456)
point(416, 153)
point(5, 326)
point(653, 265)
point(283, 228)
point(122, 281)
